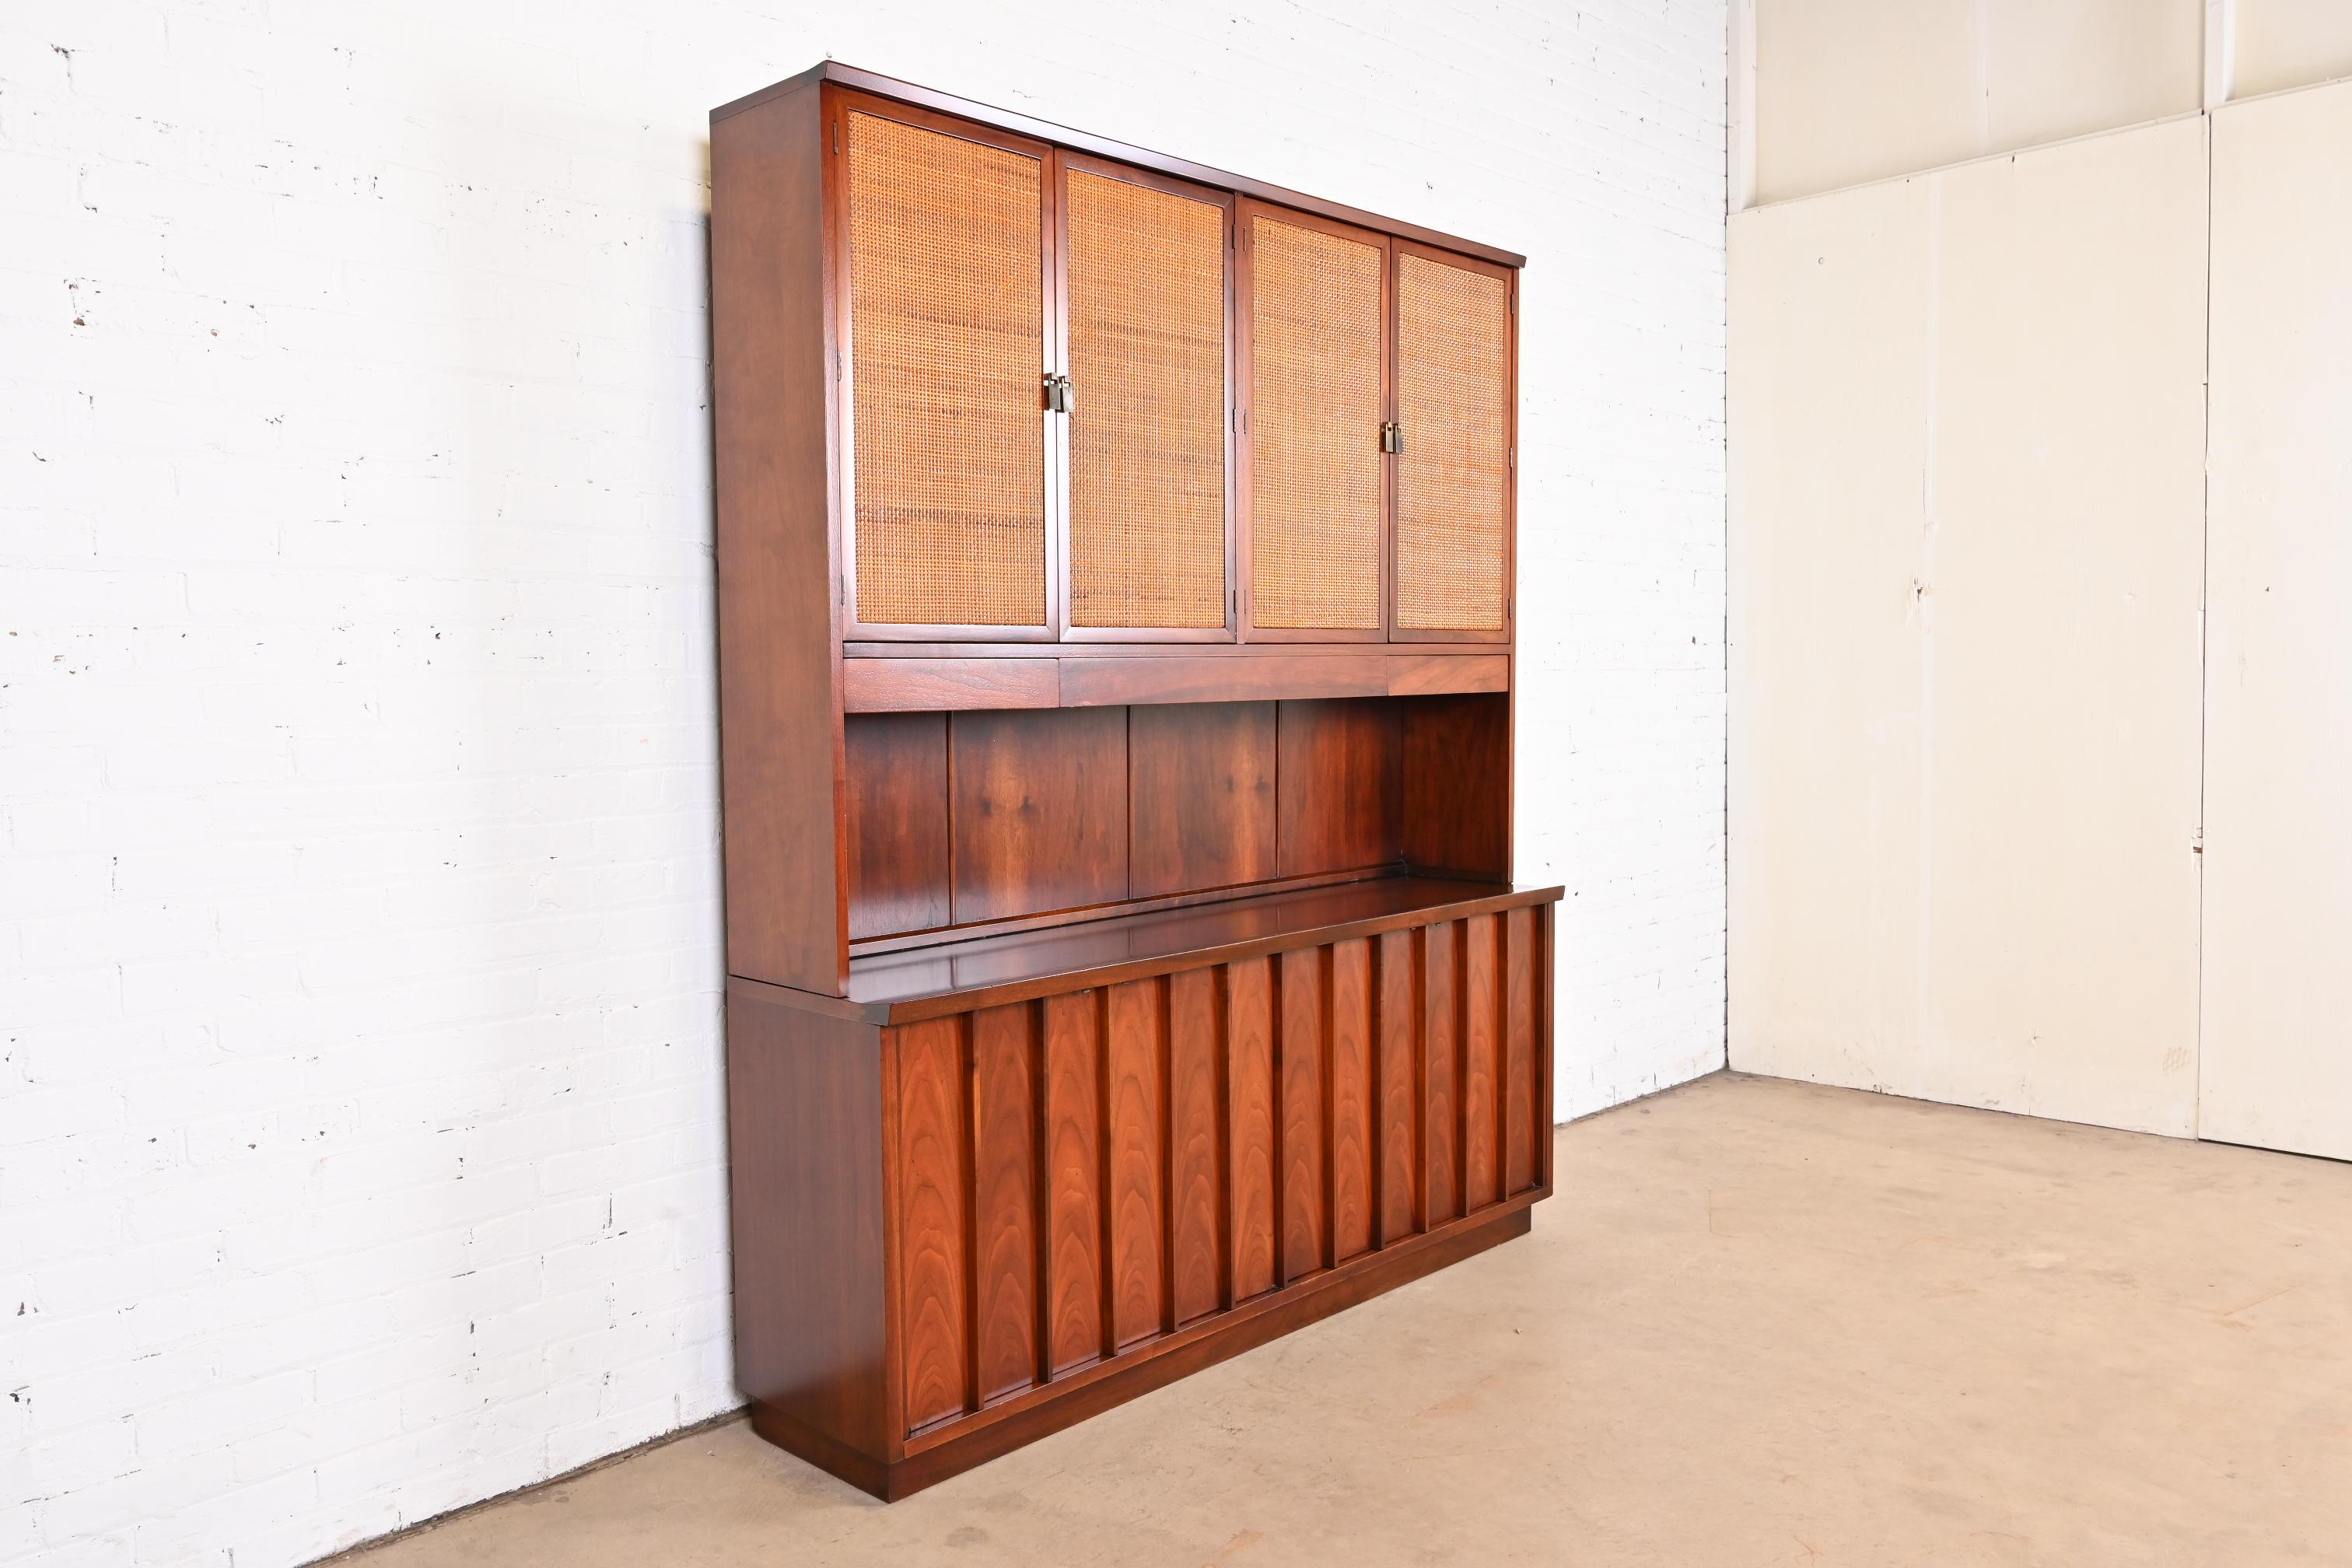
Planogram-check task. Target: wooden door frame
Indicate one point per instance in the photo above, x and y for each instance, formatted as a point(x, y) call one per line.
point(841, 102)
point(1065, 163)
point(1244, 301)
point(1398, 249)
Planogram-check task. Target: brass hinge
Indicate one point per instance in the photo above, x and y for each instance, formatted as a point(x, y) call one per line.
point(1058, 394)
point(836, 136)
point(1391, 437)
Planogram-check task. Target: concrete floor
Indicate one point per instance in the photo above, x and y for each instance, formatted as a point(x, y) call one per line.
point(1762, 1323)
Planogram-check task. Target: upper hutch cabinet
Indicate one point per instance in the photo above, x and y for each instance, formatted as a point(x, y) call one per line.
point(949, 303)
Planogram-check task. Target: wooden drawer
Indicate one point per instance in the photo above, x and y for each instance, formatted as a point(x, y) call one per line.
point(943, 685)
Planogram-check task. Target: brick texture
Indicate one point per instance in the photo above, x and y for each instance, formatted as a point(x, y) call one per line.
point(361, 1148)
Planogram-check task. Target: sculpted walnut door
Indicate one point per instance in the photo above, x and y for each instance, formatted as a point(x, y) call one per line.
point(1454, 448)
point(1316, 305)
point(1149, 402)
point(949, 295)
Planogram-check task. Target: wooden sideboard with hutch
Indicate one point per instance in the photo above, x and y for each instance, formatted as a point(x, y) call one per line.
point(1115, 667)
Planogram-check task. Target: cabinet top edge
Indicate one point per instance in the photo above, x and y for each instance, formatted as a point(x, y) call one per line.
point(1103, 146)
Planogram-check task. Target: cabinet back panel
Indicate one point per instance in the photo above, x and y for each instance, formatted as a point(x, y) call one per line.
point(963, 818)
point(898, 792)
point(1204, 796)
point(1340, 784)
point(1037, 804)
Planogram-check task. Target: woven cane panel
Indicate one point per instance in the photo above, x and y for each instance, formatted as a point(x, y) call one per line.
point(1147, 302)
point(1315, 424)
point(1454, 478)
point(947, 334)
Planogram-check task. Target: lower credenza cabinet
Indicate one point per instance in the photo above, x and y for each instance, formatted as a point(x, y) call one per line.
point(959, 1231)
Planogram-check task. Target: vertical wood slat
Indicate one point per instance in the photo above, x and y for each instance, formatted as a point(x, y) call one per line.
point(1396, 1045)
point(1195, 1282)
point(1253, 1131)
point(1481, 1058)
point(1005, 1202)
point(1518, 1051)
point(1441, 947)
point(1080, 1174)
point(933, 1265)
point(1348, 1122)
point(1298, 1127)
point(1131, 1110)
point(1073, 1118)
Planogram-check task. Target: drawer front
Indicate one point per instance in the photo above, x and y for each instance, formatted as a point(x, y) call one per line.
point(1081, 1178)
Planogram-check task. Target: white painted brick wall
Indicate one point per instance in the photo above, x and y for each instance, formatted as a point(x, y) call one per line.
point(360, 1101)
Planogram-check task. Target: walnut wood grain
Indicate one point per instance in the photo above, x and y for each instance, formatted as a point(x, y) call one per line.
point(1004, 1199)
point(939, 685)
point(1456, 767)
point(1348, 1115)
point(1397, 1093)
point(1072, 1119)
point(1202, 812)
point(1429, 674)
point(804, 1098)
point(1098, 683)
point(1340, 786)
point(1299, 1070)
point(1519, 1087)
point(934, 1191)
point(1441, 949)
point(779, 649)
point(1038, 811)
point(1134, 1041)
point(951, 975)
point(1250, 1137)
point(897, 790)
point(1195, 1123)
point(1481, 1063)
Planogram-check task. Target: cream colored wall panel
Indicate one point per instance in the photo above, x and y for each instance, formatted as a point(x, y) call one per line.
point(1966, 426)
point(2055, 69)
point(1828, 368)
point(1849, 90)
point(2292, 43)
point(2064, 566)
point(2277, 1056)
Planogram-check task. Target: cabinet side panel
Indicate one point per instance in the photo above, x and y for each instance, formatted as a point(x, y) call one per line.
point(934, 1260)
point(779, 675)
point(1073, 1137)
point(1250, 1136)
point(1457, 784)
point(804, 1155)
